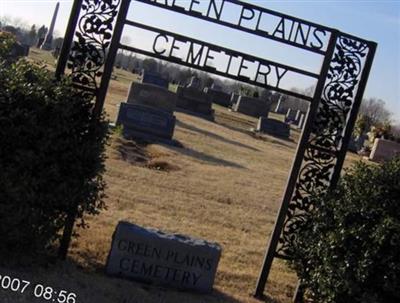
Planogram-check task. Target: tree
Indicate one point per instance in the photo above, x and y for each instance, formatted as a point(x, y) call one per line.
point(150, 65)
point(51, 157)
point(375, 111)
point(41, 33)
point(32, 35)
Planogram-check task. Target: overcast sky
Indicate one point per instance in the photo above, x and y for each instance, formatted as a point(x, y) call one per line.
point(377, 21)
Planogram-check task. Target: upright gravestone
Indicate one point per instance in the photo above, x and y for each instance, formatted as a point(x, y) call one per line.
point(194, 101)
point(195, 83)
point(234, 99)
point(301, 120)
point(145, 122)
point(155, 257)
point(148, 113)
point(384, 150)
point(291, 116)
point(155, 79)
point(19, 50)
point(152, 95)
point(218, 97)
point(252, 106)
point(279, 106)
point(273, 127)
point(216, 87)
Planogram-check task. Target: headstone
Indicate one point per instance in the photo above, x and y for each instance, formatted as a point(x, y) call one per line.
point(194, 101)
point(145, 122)
point(357, 143)
point(292, 103)
point(384, 150)
point(152, 256)
point(216, 87)
point(297, 117)
point(273, 127)
point(40, 42)
point(152, 95)
point(252, 106)
point(19, 50)
point(195, 83)
point(155, 79)
point(279, 106)
point(291, 116)
point(301, 121)
point(234, 98)
point(218, 97)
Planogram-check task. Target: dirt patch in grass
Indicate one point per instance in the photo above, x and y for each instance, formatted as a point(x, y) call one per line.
point(130, 151)
point(161, 165)
point(140, 154)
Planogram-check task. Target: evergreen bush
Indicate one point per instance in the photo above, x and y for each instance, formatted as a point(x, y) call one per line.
point(52, 156)
point(348, 248)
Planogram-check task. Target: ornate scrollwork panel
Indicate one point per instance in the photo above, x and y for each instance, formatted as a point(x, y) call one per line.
point(93, 36)
point(327, 133)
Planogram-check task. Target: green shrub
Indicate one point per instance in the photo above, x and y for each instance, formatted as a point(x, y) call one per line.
point(348, 248)
point(7, 41)
point(51, 157)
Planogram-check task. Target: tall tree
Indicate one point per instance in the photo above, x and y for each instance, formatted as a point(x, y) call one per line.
point(32, 35)
point(375, 110)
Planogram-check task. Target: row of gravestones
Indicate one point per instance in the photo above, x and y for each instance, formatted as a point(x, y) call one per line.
point(295, 111)
point(148, 112)
point(174, 260)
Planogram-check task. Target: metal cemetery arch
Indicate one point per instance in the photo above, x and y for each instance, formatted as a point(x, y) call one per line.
point(333, 108)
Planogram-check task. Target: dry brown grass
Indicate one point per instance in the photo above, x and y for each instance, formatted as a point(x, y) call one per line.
point(225, 185)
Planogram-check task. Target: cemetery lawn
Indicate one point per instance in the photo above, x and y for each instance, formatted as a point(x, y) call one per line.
point(224, 185)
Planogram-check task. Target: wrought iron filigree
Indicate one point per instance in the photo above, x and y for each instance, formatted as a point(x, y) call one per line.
point(88, 53)
point(327, 134)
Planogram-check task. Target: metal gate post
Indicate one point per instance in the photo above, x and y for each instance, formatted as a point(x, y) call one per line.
point(296, 166)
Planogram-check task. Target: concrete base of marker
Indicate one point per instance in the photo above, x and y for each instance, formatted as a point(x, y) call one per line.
point(152, 256)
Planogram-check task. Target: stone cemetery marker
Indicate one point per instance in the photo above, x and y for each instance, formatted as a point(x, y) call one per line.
point(19, 50)
point(384, 150)
point(152, 95)
point(301, 120)
point(216, 87)
point(195, 83)
point(141, 121)
point(291, 116)
point(273, 127)
point(252, 106)
point(218, 97)
point(155, 79)
point(194, 101)
point(234, 99)
point(280, 106)
point(152, 256)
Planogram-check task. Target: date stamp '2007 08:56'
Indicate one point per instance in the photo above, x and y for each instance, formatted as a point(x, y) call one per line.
point(39, 291)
